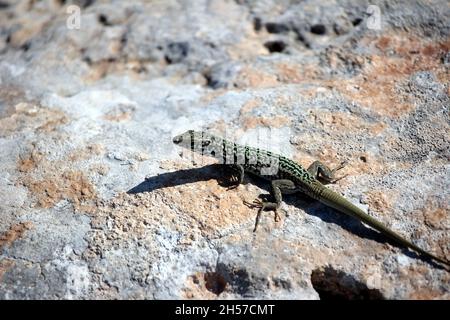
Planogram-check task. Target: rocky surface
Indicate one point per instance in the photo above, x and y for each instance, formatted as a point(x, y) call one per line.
point(96, 202)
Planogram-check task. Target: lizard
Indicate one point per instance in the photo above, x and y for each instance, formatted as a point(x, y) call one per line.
point(286, 177)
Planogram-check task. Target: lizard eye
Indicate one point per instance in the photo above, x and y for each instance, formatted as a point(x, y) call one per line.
point(206, 143)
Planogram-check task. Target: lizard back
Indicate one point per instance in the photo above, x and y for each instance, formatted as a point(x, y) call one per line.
point(259, 162)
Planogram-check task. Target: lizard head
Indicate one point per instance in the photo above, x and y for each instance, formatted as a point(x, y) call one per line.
point(191, 139)
point(184, 139)
point(199, 142)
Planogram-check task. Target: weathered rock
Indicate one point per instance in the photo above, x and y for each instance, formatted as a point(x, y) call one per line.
point(96, 202)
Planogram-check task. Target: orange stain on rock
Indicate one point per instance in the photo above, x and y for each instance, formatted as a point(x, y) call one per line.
point(56, 186)
point(425, 294)
point(436, 214)
point(341, 121)
point(249, 106)
point(296, 73)
point(5, 265)
point(30, 162)
point(253, 78)
point(375, 87)
point(50, 182)
point(201, 285)
point(271, 122)
point(37, 118)
point(15, 232)
point(87, 152)
point(381, 201)
point(225, 209)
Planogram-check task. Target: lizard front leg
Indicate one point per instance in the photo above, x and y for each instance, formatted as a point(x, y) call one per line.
point(278, 187)
point(318, 169)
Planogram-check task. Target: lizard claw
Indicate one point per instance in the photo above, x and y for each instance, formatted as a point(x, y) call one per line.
point(337, 179)
point(277, 216)
point(341, 166)
point(344, 163)
point(255, 204)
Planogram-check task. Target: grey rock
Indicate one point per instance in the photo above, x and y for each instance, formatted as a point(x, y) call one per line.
point(97, 203)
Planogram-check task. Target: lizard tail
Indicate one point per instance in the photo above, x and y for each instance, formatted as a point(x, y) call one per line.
point(338, 202)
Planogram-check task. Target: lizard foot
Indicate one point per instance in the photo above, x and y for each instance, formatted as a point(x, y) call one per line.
point(339, 178)
point(234, 185)
point(263, 206)
point(235, 182)
point(341, 166)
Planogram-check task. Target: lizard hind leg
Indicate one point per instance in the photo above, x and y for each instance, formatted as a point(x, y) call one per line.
point(278, 187)
point(319, 170)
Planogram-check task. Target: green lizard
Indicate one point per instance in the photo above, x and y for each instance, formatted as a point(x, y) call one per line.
point(286, 177)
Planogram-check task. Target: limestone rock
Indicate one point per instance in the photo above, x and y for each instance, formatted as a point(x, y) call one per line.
point(96, 201)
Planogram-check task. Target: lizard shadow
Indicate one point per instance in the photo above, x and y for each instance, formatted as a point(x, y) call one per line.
point(349, 224)
point(299, 200)
point(330, 215)
point(171, 179)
